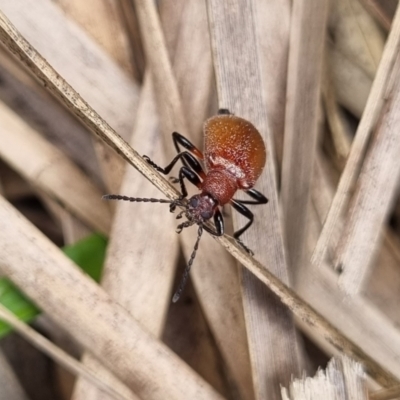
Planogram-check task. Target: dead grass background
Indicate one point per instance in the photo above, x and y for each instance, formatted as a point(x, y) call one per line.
point(320, 80)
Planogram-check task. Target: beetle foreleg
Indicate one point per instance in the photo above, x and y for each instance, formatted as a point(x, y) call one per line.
point(191, 176)
point(219, 224)
point(242, 209)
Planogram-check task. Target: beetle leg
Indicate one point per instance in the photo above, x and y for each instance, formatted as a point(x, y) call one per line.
point(239, 207)
point(187, 159)
point(219, 224)
point(180, 140)
point(258, 197)
point(242, 209)
point(194, 164)
point(187, 144)
point(187, 173)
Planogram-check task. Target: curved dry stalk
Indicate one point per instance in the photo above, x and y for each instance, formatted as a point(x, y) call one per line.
point(372, 202)
point(58, 355)
point(38, 66)
point(357, 35)
point(48, 169)
point(375, 101)
point(352, 84)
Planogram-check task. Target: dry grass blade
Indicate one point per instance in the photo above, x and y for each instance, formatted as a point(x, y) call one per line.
point(356, 317)
point(57, 354)
point(129, 271)
point(309, 24)
point(388, 394)
point(216, 282)
point(382, 11)
point(46, 168)
point(72, 228)
point(356, 34)
point(87, 312)
point(111, 36)
point(27, 97)
point(103, 86)
point(85, 389)
point(342, 379)
point(240, 89)
point(10, 387)
point(368, 120)
point(130, 21)
point(273, 37)
point(171, 110)
point(88, 390)
point(149, 296)
point(146, 299)
point(314, 321)
point(373, 199)
point(339, 130)
point(194, 77)
point(352, 84)
point(63, 91)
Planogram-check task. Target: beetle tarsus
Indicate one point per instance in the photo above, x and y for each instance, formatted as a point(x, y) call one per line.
point(224, 111)
point(251, 252)
point(152, 163)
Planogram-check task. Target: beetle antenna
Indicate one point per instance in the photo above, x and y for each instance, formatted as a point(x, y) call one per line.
point(185, 276)
point(136, 199)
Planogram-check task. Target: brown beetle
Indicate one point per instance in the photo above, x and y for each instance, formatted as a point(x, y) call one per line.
point(234, 157)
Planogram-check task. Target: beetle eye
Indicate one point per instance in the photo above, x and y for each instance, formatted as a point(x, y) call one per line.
point(194, 202)
point(206, 214)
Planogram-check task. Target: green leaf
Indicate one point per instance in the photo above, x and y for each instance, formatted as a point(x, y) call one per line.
point(88, 253)
point(17, 303)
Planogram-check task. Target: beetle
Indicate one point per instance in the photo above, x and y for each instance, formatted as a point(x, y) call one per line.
point(234, 157)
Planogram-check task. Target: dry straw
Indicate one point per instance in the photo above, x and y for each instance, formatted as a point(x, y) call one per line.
point(246, 82)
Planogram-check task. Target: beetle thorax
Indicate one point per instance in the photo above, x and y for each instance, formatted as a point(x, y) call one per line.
point(221, 185)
